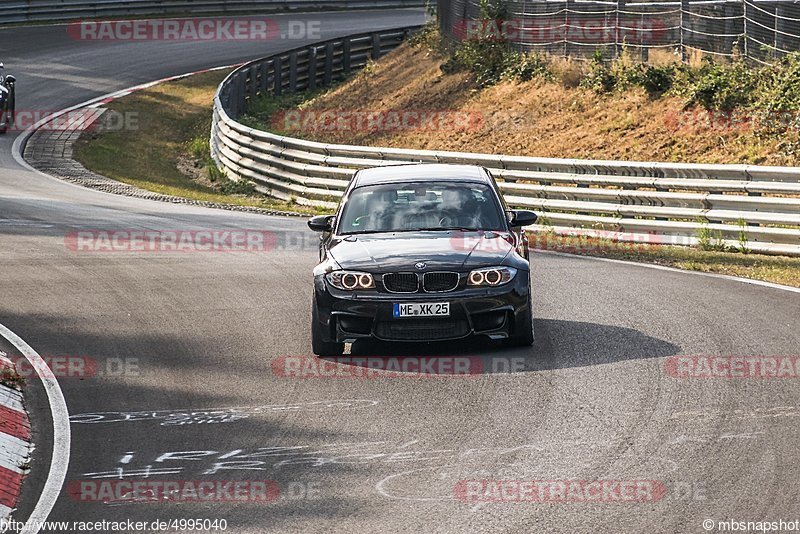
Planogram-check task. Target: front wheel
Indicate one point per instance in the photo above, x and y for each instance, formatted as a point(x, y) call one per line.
point(523, 337)
point(7, 111)
point(523, 329)
point(319, 346)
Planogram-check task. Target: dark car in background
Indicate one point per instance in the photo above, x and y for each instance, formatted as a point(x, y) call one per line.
point(419, 253)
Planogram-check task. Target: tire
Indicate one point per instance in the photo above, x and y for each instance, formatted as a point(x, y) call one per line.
point(319, 346)
point(523, 331)
point(12, 106)
point(7, 113)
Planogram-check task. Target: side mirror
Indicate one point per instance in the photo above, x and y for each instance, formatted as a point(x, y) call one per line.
point(11, 79)
point(321, 223)
point(522, 218)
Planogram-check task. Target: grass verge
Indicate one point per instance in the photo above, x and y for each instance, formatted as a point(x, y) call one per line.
point(166, 148)
point(776, 269)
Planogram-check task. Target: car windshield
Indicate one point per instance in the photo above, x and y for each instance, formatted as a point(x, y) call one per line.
point(424, 206)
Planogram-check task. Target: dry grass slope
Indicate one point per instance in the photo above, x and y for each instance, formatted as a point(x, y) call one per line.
point(539, 118)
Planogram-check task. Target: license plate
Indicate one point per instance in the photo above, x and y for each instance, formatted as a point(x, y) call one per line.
point(422, 309)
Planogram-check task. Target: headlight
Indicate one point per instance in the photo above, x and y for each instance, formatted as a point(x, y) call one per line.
point(491, 276)
point(350, 280)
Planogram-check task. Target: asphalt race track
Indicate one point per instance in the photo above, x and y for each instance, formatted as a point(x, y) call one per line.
point(177, 335)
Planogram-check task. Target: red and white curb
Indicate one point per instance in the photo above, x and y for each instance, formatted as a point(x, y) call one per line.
point(15, 443)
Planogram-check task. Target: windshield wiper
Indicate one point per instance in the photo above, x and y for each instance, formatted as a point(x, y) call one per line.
point(427, 229)
point(444, 229)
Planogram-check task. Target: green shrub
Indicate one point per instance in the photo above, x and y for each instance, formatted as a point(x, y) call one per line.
point(487, 59)
point(605, 76)
point(657, 80)
point(527, 66)
point(718, 86)
point(599, 78)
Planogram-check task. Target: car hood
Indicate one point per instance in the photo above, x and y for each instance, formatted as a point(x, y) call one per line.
point(391, 252)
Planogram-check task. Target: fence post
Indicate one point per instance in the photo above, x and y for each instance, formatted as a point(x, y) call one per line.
point(644, 52)
point(567, 7)
point(780, 29)
point(682, 31)
point(619, 45)
point(746, 37)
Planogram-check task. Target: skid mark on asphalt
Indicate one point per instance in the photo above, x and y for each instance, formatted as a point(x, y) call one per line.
point(219, 415)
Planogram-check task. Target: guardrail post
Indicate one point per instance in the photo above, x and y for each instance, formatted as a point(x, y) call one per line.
point(346, 56)
point(293, 72)
point(312, 68)
point(263, 68)
point(236, 95)
point(252, 89)
point(326, 80)
point(376, 46)
point(278, 81)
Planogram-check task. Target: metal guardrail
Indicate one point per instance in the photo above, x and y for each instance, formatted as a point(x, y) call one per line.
point(628, 201)
point(22, 11)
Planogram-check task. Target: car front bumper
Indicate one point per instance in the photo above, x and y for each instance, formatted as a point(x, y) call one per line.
point(494, 312)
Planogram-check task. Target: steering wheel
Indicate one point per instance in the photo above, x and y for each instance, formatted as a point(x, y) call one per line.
point(358, 220)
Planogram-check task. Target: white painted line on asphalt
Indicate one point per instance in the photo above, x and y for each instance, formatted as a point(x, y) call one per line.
point(11, 399)
point(675, 270)
point(13, 451)
point(5, 511)
point(61, 433)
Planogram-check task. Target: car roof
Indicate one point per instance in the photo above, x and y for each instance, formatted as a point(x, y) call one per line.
point(420, 172)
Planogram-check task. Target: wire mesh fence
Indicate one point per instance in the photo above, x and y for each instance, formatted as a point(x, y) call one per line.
point(761, 30)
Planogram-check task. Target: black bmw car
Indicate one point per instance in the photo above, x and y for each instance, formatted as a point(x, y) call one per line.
point(423, 252)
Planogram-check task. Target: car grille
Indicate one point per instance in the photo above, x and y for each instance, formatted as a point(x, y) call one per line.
point(421, 329)
point(440, 281)
point(401, 282)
